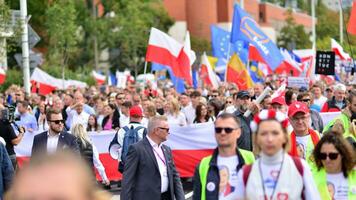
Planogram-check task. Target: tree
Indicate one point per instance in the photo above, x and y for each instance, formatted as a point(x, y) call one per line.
point(62, 32)
point(293, 36)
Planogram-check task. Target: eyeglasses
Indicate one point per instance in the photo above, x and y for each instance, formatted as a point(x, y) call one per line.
point(119, 98)
point(306, 100)
point(57, 121)
point(227, 130)
point(165, 129)
point(332, 156)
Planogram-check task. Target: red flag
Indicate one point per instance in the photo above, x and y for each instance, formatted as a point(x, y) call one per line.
point(237, 73)
point(351, 28)
point(2, 75)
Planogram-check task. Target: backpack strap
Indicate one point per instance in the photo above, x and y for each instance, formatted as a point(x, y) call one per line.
point(246, 173)
point(126, 128)
point(299, 166)
point(144, 130)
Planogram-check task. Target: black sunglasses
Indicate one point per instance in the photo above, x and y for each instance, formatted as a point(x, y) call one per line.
point(229, 102)
point(57, 121)
point(227, 130)
point(332, 156)
point(166, 129)
point(306, 100)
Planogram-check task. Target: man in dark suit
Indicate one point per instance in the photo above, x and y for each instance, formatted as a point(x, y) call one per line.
point(55, 138)
point(150, 172)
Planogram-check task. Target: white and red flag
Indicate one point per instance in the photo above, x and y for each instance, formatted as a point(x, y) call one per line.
point(339, 51)
point(206, 72)
point(99, 78)
point(2, 75)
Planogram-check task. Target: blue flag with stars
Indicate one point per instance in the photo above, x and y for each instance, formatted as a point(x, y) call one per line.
point(245, 28)
point(220, 40)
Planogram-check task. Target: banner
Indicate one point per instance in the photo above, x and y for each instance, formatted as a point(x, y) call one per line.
point(298, 82)
point(325, 63)
point(189, 145)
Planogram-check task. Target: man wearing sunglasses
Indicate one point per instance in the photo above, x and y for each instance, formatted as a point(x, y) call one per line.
point(216, 175)
point(55, 139)
point(316, 120)
point(151, 172)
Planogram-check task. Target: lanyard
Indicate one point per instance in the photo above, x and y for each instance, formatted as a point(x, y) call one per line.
point(275, 185)
point(163, 160)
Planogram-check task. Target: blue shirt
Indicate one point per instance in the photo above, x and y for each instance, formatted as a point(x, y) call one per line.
point(28, 121)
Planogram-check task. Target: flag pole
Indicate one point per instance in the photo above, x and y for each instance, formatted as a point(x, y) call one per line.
point(227, 58)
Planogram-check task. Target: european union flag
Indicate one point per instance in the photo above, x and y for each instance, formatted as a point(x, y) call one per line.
point(220, 40)
point(177, 82)
point(245, 28)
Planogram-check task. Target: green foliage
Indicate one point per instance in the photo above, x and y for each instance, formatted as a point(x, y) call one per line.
point(200, 45)
point(13, 76)
point(293, 36)
point(62, 31)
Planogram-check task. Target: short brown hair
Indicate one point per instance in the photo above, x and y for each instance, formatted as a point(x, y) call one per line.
point(51, 112)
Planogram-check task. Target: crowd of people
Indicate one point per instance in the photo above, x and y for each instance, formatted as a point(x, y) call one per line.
point(282, 150)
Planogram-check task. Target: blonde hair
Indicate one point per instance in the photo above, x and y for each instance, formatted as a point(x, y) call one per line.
point(175, 106)
point(80, 133)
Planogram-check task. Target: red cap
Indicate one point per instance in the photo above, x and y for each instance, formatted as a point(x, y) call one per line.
point(296, 107)
point(136, 111)
point(279, 100)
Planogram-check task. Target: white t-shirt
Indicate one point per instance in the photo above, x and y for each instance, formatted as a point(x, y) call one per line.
point(320, 102)
point(302, 142)
point(177, 119)
point(228, 177)
point(337, 186)
point(189, 112)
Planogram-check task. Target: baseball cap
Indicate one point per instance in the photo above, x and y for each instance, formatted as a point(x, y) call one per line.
point(279, 100)
point(296, 107)
point(242, 93)
point(136, 111)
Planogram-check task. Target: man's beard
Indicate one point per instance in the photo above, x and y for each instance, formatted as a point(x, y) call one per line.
point(243, 108)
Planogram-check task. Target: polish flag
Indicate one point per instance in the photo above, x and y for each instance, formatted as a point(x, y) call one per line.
point(288, 65)
point(43, 83)
point(2, 75)
point(337, 48)
point(254, 55)
point(186, 59)
point(165, 50)
point(207, 73)
point(100, 79)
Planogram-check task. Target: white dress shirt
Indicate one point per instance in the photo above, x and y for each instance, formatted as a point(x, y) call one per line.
point(52, 143)
point(162, 164)
point(81, 118)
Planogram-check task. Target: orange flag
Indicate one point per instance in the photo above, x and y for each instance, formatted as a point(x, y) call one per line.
point(351, 28)
point(236, 72)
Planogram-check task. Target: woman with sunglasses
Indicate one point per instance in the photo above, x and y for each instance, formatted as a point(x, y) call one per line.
point(275, 175)
point(335, 174)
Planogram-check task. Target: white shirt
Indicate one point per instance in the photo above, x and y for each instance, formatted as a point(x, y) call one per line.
point(228, 177)
point(189, 112)
point(320, 102)
point(98, 165)
point(176, 119)
point(302, 142)
point(81, 118)
point(161, 161)
point(124, 120)
point(337, 186)
point(52, 142)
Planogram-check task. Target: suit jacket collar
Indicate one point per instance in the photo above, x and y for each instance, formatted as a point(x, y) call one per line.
point(149, 150)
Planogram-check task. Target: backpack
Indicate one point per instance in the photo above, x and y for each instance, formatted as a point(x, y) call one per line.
point(130, 137)
point(298, 163)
